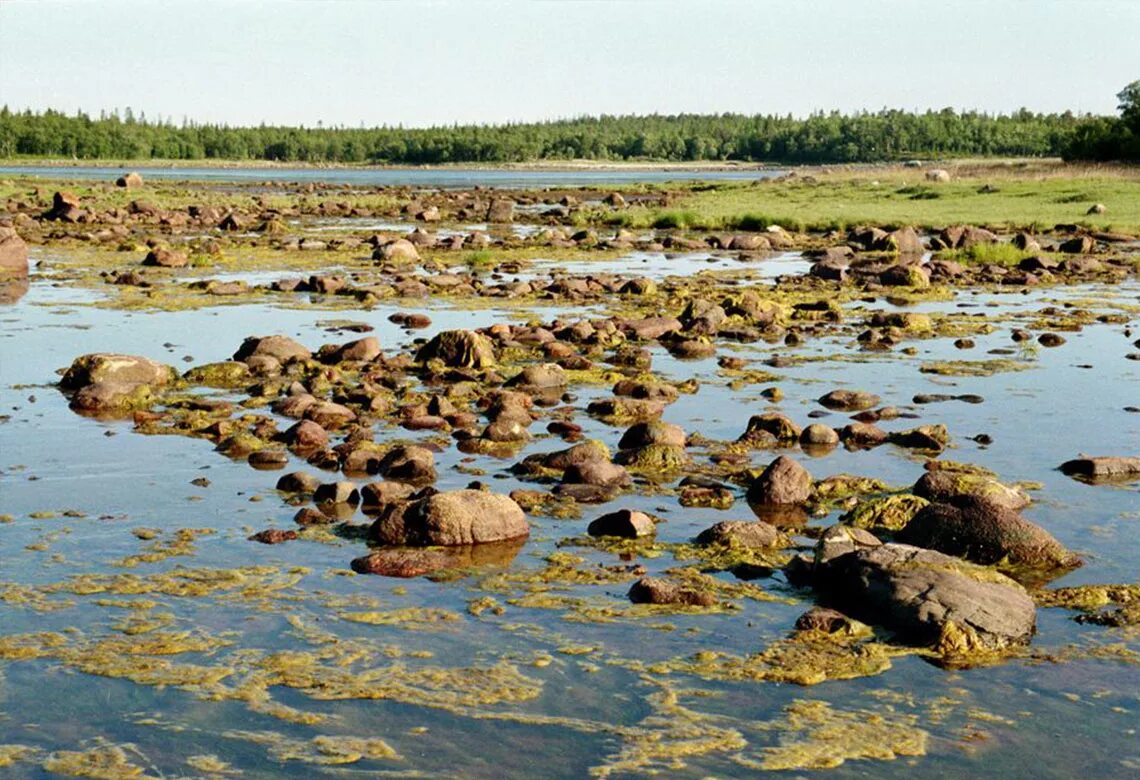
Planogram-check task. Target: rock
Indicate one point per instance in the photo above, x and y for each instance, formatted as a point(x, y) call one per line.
point(298, 482)
point(362, 350)
point(819, 435)
point(541, 377)
point(107, 367)
point(925, 437)
point(453, 518)
point(596, 472)
point(166, 258)
point(111, 398)
point(397, 251)
point(281, 348)
point(840, 540)
point(129, 181)
point(1097, 208)
point(930, 598)
point(986, 533)
point(459, 349)
point(328, 415)
point(938, 175)
point(948, 486)
point(849, 400)
point(741, 533)
point(501, 211)
point(377, 495)
point(828, 621)
point(645, 434)
point(409, 463)
point(655, 590)
point(1050, 340)
point(1103, 468)
point(306, 436)
point(784, 482)
point(268, 459)
point(624, 523)
point(273, 536)
point(772, 425)
point(860, 435)
point(337, 493)
point(224, 374)
point(1081, 245)
point(405, 563)
point(649, 328)
point(905, 276)
point(905, 241)
point(13, 253)
point(889, 513)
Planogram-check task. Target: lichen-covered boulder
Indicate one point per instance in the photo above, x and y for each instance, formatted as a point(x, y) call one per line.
point(120, 369)
point(281, 348)
point(452, 518)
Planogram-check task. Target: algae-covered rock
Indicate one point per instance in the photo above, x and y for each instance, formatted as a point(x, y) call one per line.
point(459, 349)
point(1104, 468)
point(656, 590)
point(947, 486)
point(849, 400)
point(741, 533)
point(281, 348)
point(624, 523)
point(986, 533)
point(457, 517)
point(226, 374)
point(890, 513)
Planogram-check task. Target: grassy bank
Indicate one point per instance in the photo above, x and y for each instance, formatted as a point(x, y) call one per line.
point(997, 196)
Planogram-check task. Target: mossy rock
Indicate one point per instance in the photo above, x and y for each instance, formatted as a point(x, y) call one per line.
point(891, 513)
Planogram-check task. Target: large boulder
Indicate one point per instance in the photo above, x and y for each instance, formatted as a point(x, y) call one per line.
point(13, 253)
point(400, 250)
point(784, 482)
point(501, 211)
point(281, 348)
point(948, 486)
point(987, 533)
point(930, 598)
point(459, 349)
point(452, 518)
point(121, 369)
point(129, 181)
point(1103, 468)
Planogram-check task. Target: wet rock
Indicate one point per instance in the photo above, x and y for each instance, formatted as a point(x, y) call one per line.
point(741, 533)
point(362, 350)
point(273, 536)
point(624, 523)
point(337, 493)
point(948, 486)
point(650, 328)
point(849, 400)
point(784, 481)
point(281, 348)
point(840, 540)
point(329, 415)
point(925, 437)
point(267, 459)
point(1050, 340)
point(647, 434)
point(111, 398)
point(862, 435)
point(405, 563)
point(100, 367)
point(771, 426)
point(1081, 245)
point(307, 516)
point(501, 211)
point(1103, 468)
point(129, 181)
point(655, 590)
point(459, 349)
point(409, 463)
point(398, 251)
point(226, 374)
point(596, 472)
point(626, 409)
point(985, 533)
point(827, 621)
point(931, 598)
point(819, 435)
point(542, 377)
point(298, 482)
point(457, 517)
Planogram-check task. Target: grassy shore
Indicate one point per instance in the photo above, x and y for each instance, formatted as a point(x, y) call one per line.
point(1000, 196)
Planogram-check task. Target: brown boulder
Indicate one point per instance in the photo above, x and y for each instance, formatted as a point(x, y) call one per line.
point(784, 482)
point(13, 253)
point(456, 517)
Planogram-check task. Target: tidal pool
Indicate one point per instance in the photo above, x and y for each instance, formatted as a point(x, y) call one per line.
point(142, 634)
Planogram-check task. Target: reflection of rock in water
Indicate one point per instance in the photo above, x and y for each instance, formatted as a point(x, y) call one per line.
point(418, 561)
point(13, 287)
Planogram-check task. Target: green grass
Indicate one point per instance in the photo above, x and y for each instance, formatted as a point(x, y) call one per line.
point(996, 254)
point(998, 197)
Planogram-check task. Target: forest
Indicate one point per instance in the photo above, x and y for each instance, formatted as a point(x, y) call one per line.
point(881, 136)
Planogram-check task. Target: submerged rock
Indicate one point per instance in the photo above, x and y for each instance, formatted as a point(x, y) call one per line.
point(655, 590)
point(742, 533)
point(1103, 468)
point(459, 349)
point(625, 523)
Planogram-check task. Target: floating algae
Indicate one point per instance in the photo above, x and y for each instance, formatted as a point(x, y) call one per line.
point(211, 765)
point(322, 750)
point(182, 544)
point(411, 618)
point(974, 367)
point(11, 754)
point(1091, 601)
point(808, 658)
point(816, 736)
point(664, 739)
point(110, 762)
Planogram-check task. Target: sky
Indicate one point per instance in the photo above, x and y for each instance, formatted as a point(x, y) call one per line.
point(360, 62)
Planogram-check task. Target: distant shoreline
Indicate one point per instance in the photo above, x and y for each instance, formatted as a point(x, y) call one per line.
point(536, 165)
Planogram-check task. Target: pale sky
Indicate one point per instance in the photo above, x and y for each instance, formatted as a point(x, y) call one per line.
point(354, 62)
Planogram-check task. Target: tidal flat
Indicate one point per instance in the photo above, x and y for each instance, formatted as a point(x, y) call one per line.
point(829, 474)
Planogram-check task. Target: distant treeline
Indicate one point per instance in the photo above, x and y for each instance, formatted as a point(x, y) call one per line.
point(820, 138)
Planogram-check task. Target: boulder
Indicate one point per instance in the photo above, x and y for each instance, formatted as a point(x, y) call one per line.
point(784, 482)
point(409, 463)
point(13, 253)
point(106, 367)
point(741, 533)
point(948, 486)
point(624, 523)
point(930, 598)
point(986, 533)
point(399, 250)
point(129, 181)
point(501, 211)
point(166, 258)
point(655, 590)
point(1103, 468)
point(849, 400)
point(281, 348)
point(459, 349)
point(456, 517)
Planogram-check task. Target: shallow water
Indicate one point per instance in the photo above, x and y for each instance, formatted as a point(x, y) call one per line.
point(458, 178)
point(571, 690)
